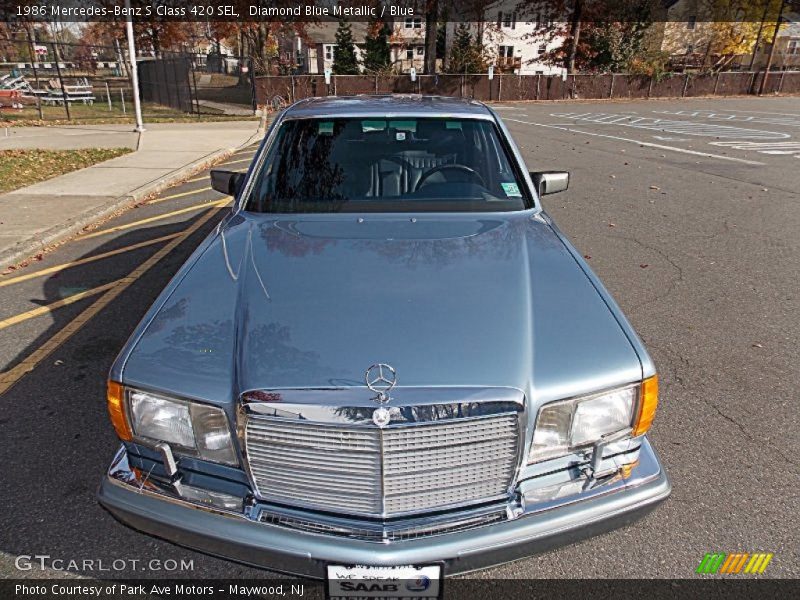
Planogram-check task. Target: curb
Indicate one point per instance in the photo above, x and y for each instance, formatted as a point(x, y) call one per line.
point(61, 233)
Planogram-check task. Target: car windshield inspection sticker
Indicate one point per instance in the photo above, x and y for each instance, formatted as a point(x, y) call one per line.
point(511, 189)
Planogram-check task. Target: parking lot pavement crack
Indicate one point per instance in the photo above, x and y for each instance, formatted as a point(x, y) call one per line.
point(676, 377)
point(758, 442)
point(673, 282)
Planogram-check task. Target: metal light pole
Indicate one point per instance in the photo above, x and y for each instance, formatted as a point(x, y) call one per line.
point(137, 104)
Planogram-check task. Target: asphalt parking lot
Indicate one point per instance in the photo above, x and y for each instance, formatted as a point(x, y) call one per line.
point(688, 210)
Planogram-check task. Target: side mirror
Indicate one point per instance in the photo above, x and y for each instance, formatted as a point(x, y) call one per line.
point(227, 182)
point(550, 182)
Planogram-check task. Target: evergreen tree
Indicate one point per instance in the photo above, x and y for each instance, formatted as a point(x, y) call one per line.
point(466, 56)
point(344, 54)
point(377, 56)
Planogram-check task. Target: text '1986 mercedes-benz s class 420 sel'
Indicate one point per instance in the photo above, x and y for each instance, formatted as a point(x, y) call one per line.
point(385, 357)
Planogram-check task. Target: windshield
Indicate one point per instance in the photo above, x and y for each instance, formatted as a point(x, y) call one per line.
point(387, 165)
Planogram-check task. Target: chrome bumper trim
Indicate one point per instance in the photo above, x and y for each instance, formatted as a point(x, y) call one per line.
point(236, 536)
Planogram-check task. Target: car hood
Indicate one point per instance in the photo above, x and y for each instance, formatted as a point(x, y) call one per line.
point(447, 300)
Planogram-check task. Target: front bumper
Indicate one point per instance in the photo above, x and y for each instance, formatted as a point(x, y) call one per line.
point(537, 527)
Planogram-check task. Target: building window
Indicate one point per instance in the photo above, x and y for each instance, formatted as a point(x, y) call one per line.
point(410, 54)
point(505, 51)
point(328, 51)
point(420, 50)
point(506, 19)
point(793, 48)
point(413, 23)
point(689, 48)
point(542, 48)
point(691, 23)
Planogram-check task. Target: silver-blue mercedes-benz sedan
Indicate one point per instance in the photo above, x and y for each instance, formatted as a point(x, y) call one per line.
point(386, 361)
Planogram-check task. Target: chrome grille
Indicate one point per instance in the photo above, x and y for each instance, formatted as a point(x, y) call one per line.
point(370, 471)
point(380, 533)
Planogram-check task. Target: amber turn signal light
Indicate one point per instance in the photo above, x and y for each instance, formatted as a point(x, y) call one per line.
point(116, 410)
point(647, 406)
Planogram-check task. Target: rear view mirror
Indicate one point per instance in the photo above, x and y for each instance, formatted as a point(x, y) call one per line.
point(227, 182)
point(550, 182)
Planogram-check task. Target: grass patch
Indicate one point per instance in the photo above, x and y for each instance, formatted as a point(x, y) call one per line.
point(20, 168)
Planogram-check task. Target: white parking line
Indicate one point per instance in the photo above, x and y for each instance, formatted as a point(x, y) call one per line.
point(775, 148)
point(717, 116)
point(671, 126)
point(764, 112)
point(641, 143)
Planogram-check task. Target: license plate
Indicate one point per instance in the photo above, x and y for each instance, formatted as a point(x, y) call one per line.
point(415, 583)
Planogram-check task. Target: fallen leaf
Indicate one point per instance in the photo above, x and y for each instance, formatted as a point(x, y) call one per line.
point(654, 187)
point(757, 345)
point(586, 256)
point(612, 224)
point(644, 265)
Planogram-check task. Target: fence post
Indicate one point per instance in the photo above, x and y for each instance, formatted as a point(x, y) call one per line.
point(650, 87)
point(291, 77)
point(376, 83)
point(611, 87)
point(251, 75)
point(538, 84)
point(780, 84)
point(499, 87)
point(196, 101)
point(61, 81)
point(108, 96)
point(685, 86)
point(122, 97)
point(752, 81)
point(716, 84)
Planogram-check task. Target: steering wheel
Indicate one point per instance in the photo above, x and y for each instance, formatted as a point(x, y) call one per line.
point(472, 173)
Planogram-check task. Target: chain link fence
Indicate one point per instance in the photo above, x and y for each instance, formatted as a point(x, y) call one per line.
point(80, 82)
point(61, 81)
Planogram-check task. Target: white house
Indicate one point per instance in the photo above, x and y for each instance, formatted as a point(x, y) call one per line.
point(406, 44)
point(516, 42)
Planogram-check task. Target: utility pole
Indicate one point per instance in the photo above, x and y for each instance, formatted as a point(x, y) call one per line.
point(137, 104)
point(763, 85)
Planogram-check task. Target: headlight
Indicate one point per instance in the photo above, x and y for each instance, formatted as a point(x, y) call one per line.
point(563, 426)
point(192, 428)
point(161, 419)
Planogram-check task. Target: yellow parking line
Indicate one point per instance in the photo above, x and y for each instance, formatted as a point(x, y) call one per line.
point(43, 310)
point(233, 162)
point(83, 261)
point(204, 205)
point(206, 176)
point(13, 375)
point(181, 195)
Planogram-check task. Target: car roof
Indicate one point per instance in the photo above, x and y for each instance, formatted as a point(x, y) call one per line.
point(390, 105)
